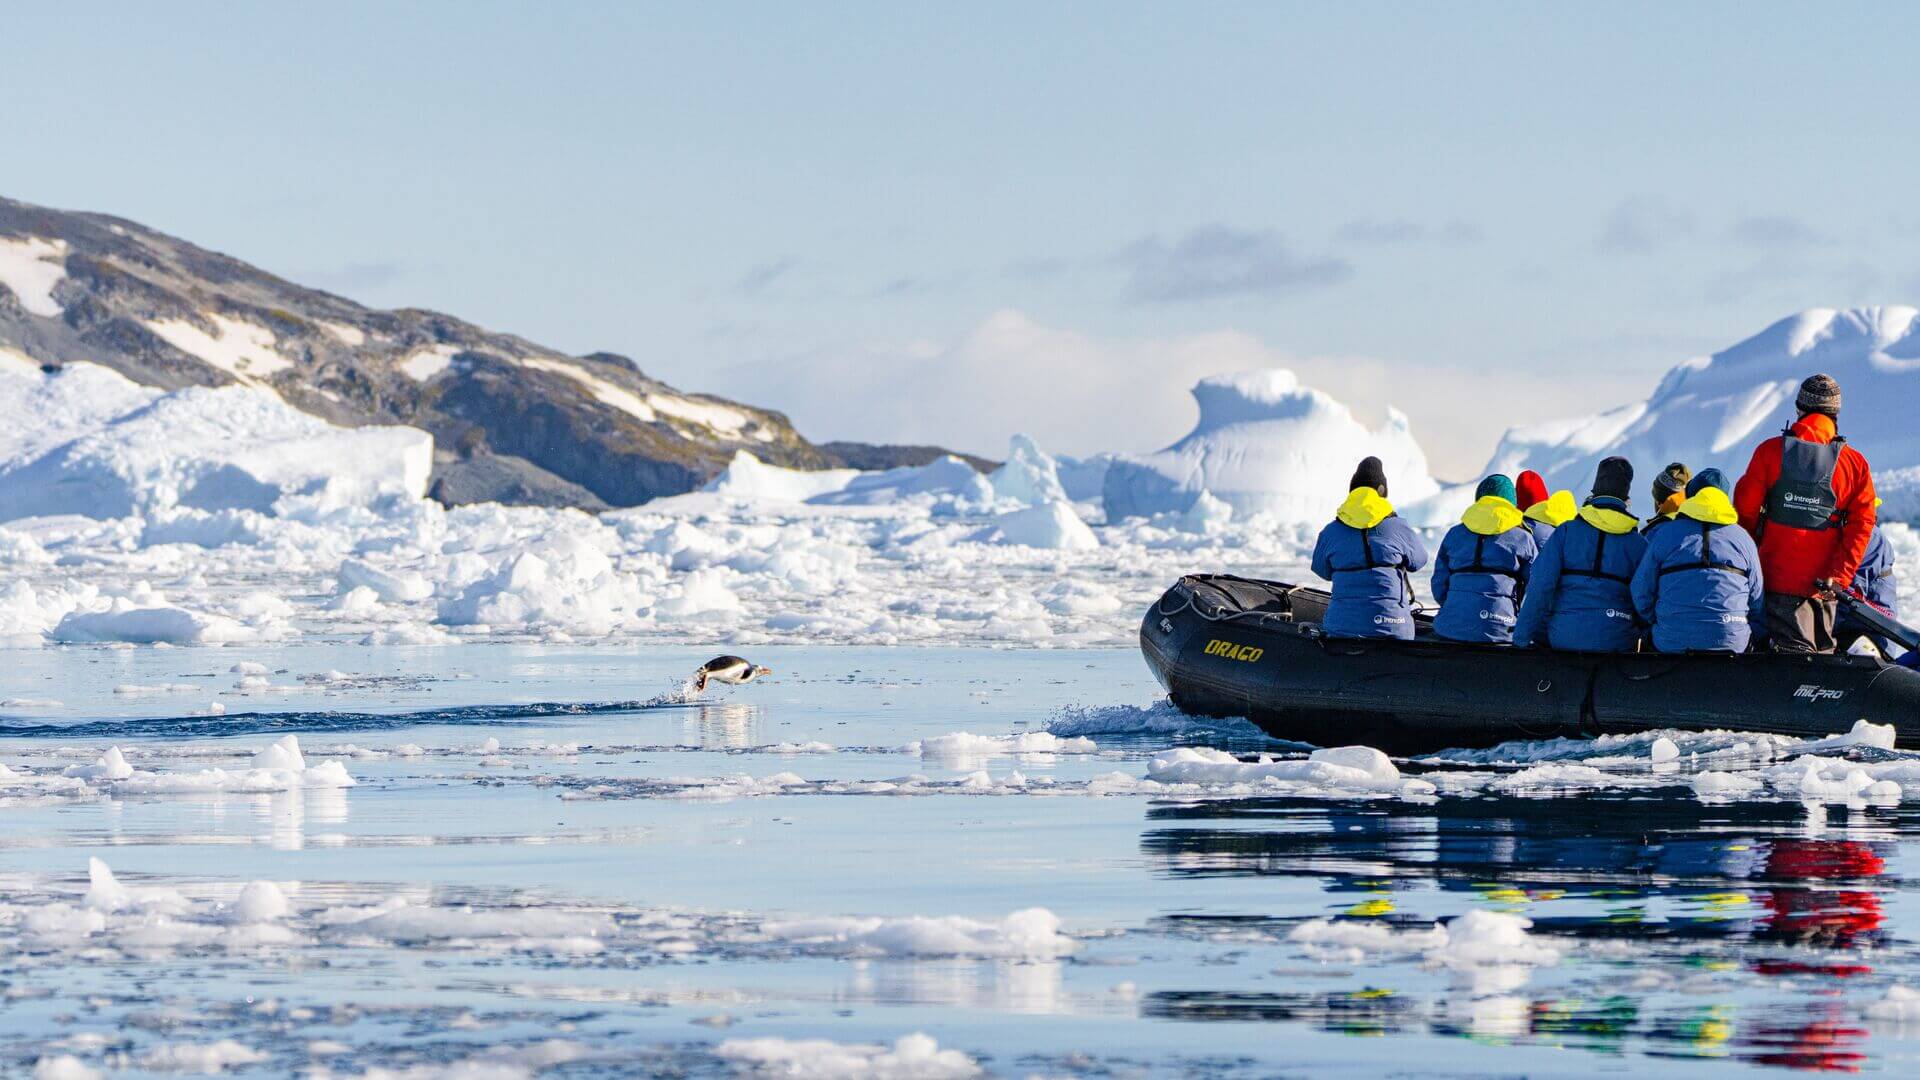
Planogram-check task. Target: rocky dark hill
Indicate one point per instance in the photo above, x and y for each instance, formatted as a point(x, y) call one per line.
point(512, 421)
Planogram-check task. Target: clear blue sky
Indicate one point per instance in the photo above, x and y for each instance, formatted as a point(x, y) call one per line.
point(1481, 214)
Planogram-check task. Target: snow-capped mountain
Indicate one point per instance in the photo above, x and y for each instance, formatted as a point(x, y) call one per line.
point(511, 421)
point(1266, 444)
point(1712, 411)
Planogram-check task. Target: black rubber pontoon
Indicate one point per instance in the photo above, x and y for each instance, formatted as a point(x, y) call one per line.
point(1229, 646)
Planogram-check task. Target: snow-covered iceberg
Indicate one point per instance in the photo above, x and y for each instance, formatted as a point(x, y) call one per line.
point(84, 440)
point(1265, 443)
point(1713, 410)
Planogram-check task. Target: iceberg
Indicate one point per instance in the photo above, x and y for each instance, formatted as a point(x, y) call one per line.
point(85, 440)
point(1712, 411)
point(1266, 444)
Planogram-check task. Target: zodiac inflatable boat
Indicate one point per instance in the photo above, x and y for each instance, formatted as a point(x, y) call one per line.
point(1229, 646)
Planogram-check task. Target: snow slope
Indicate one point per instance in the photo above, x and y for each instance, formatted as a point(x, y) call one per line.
point(1266, 444)
point(1714, 410)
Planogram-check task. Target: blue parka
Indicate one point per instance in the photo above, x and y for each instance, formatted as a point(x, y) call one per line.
point(1481, 572)
point(1699, 583)
point(1580, 593)
point(1876, 582)
point(1547, 515)
point(1367, 552)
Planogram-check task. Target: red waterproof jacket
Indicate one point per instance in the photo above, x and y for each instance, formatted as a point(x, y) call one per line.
point(1792, 559)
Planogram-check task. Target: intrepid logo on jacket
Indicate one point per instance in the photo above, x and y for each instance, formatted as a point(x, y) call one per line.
point(1810, 692)
point(1231, 651)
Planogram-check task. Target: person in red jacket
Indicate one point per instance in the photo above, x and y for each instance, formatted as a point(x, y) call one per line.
point(1807, 498)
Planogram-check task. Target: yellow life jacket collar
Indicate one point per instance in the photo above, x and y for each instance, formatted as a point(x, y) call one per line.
point(1556, 509)
point(1491, 515)
point(1609, 520)
point(1710, 505)
point(1364, 508)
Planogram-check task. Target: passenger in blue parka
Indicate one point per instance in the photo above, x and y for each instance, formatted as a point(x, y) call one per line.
point(1580, 591)
point(1875, 581)
point(1699, 583)
point(1367, 551)
point(1481, 571)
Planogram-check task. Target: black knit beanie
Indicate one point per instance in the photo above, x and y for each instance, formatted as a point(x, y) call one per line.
point(1613, 479)
point(1370, 474)
point(1819, 394)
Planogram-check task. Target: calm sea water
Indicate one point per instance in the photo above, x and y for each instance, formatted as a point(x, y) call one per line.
point(1688, 936)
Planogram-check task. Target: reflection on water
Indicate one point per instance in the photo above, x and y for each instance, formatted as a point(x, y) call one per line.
point(728, 726)
point(1707, 930)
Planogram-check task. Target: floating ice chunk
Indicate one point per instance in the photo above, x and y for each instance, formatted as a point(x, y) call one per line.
point(64, 1067)
point(704, 592)
point(111, 765)
point(63, 922)
point(409, 633)
point(912, 1057)
point(1028, 476)
point(1714, 784)
point(1345, 769)
point(401, 587)
point(1052, 526)
point(283, 754)
point(403, 922)
point(948, 479)
point(249, 667)
point(1901, 1004)
point(150, 625)
point(1863, 733)
point(1160, 718)
point(1830, 780)
point(104, 891)
point(358, 600)
point(1032, 934)
point(203, 1058)
point(963, 744)
point(1207, 515)
point(1663, 750)
point(811, 747)
point(261, 901)
point(1493, 938)
point(747, 477)
point(1349, 940)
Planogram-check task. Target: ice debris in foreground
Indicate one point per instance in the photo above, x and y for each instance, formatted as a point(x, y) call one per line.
point(1476, 939)
point(1033, 934)
point(1358, 769)
point(279, 767)
point(912, 1057)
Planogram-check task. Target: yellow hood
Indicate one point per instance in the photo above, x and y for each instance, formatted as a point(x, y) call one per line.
point(1491, 516)
point(1556, 509)
point(1364, 508)
point(1609, 521)
point(1710, 505)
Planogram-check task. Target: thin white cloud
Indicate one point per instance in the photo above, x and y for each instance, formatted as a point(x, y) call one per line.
point(1081, 394)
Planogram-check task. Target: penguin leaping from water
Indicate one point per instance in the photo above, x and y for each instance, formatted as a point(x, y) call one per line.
point(731, 670)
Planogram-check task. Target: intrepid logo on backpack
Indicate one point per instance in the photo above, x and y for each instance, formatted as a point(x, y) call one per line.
point(1810, 692)
point(1231, 651)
